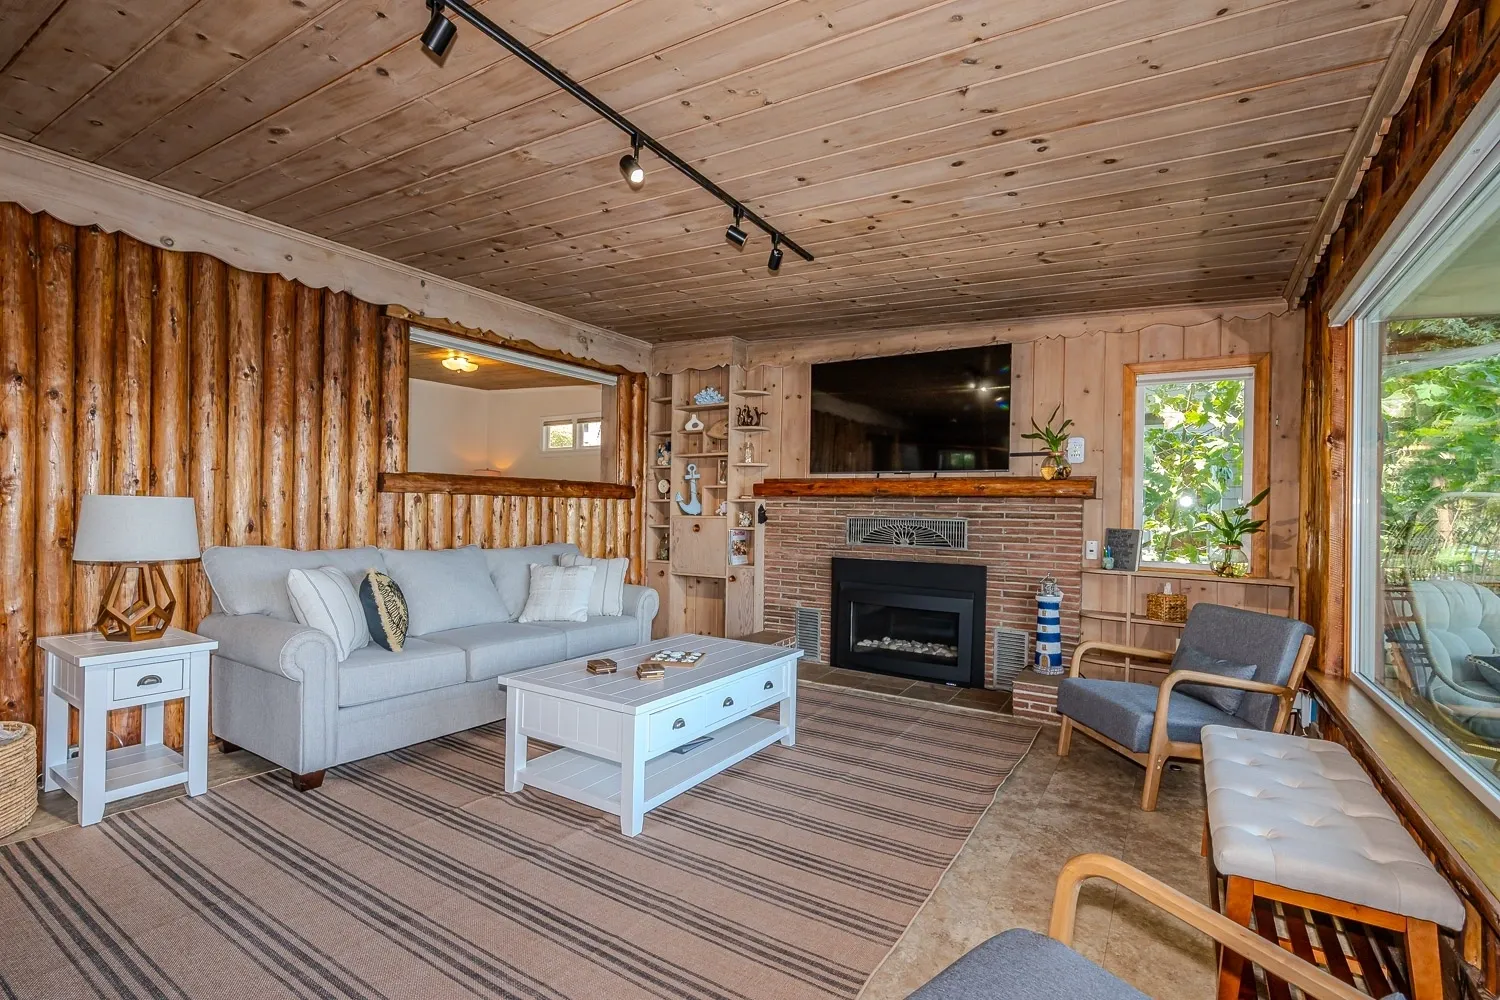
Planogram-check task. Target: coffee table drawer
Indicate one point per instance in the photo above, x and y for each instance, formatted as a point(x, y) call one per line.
point(672, 726)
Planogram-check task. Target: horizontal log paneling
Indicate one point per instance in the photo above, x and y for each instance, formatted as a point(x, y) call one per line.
point(499, 486)
point(135, 369)
point(1078, 487)
point(1051, 156)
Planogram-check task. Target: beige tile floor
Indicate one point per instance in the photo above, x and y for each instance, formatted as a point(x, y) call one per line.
point(1050, 809)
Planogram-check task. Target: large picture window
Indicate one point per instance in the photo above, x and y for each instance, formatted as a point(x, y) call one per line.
point(1196, 444)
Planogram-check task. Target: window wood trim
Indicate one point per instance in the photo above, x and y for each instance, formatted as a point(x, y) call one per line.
point(1260, 459)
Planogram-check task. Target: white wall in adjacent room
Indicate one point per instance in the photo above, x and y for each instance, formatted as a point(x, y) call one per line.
point(447, 428)
point(456, 430)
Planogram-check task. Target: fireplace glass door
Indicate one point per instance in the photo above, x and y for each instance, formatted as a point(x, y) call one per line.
point(925, 634)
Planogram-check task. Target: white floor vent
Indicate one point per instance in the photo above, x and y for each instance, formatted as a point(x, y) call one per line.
point(809, 632)
point(1012, 654)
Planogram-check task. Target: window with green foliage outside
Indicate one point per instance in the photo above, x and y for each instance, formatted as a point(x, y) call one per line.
point(1193, 450)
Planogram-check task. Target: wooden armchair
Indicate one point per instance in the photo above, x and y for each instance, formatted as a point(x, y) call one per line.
point(1023, 965)
point(1151, 725)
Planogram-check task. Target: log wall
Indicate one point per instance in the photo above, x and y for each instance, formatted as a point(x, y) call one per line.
point(127, 368)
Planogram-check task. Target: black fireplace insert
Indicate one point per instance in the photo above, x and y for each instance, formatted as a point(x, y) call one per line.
point(918, 620)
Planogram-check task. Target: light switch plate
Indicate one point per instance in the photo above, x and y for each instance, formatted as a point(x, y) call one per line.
point(1075, 452)
point(1091, 549)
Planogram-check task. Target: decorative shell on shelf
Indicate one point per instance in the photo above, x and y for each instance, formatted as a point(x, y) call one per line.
point(708, 396)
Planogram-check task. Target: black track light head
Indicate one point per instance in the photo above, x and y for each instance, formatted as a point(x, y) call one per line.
point(630, 166)
point(734, 234)
point(438, 37)
point(774, 263)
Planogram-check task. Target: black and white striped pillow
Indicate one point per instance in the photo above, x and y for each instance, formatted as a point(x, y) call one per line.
point(324, 599)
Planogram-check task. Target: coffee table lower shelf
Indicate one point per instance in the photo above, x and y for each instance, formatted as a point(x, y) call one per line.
point(597, 782)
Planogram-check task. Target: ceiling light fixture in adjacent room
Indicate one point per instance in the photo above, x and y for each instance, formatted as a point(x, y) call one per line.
point(440, 31)
point(630, 166)
point(459, 363)
point(734, 234)
point(439, 37)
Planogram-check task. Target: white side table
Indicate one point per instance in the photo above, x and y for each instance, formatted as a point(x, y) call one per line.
point(96, 675)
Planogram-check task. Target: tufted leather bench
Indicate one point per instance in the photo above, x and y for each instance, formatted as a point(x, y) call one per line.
point(1299, 821)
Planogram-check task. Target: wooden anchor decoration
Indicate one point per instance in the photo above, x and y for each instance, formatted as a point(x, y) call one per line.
point(694, 505)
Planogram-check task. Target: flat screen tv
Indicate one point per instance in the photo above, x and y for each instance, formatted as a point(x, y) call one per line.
point(943, 411)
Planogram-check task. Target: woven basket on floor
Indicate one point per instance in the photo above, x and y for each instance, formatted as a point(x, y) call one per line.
point(17, 777)
point(1167, 607)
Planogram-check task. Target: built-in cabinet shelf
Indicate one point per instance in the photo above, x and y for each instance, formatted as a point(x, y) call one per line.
point(1113, 609)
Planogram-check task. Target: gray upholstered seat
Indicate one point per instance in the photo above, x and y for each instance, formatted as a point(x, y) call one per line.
point(1124, 711)
point(1025, 965)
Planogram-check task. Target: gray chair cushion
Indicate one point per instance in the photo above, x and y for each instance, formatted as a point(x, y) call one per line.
point(510, 571)
point(376, 674)
point(599, 634)
point(1268, 641)
point(445, 588)
point(1025, 965)
point(1124, 711)
point(505, 647)
point(251, 579)
point(1222, 698)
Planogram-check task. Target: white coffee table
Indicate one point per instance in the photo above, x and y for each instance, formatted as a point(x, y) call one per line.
point(617, 733)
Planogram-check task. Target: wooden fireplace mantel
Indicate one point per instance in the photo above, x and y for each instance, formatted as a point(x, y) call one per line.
point(1076, 488)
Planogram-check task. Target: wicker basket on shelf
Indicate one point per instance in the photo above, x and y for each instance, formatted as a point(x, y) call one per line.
point(17, 776)
point(1167, 607)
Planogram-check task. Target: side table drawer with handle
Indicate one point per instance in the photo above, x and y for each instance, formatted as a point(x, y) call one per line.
point(147, 680)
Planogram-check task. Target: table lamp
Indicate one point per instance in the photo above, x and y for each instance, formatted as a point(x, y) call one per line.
point(138, 533)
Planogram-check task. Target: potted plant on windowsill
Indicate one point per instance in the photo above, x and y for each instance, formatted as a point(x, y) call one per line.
point(1053, 440)
point(1228, 529)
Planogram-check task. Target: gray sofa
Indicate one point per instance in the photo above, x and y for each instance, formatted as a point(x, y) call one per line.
point(278, 690)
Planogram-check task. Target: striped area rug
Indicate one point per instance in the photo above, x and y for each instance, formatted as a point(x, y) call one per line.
point(413, 875)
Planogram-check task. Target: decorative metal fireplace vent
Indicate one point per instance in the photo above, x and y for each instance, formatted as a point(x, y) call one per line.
point(918, 532)
point(808, 623)
point(1012, 652)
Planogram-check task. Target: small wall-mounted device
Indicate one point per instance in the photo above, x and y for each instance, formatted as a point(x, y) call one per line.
point(1091, 549)
point(1076, 450)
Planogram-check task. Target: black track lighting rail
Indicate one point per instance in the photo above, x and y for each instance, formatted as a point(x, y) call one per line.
point(519, 49)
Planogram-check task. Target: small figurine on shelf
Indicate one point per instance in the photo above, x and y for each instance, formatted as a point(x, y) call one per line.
point(749, 416)
point(749, 454)
point(693, 423)
point(745, 519)
point(664, 454)
point(722, 509)
point(708, 396)
point(664, 547)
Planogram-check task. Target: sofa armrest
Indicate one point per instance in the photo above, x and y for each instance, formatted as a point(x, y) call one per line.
point(294, 651)
point(641, 602)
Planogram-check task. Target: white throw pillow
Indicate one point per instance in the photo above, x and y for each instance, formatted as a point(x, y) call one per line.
point(607, 596)
point(558, 594)
point(324, 599)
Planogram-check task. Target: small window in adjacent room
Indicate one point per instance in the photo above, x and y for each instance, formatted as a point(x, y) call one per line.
point(571, 433)
point(1194, 451)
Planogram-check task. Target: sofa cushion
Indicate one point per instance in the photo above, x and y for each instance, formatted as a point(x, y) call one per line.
point(510, 570)
point(1225, 699)
point(599, 634)
point(376, 674)
point(1124, 711)
point(445, 588)
point(505, 647)
point(559, 594)
point(607, 595)
point(251, 579)
point(324, 599)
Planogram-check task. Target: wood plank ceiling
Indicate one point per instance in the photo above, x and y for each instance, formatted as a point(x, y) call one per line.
point(947, 161)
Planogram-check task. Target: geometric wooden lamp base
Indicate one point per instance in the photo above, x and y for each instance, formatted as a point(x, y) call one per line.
point(150, 614)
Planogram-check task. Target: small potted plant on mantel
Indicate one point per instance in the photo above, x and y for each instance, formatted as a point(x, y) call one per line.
point(1054, 440)
point(1228, 529)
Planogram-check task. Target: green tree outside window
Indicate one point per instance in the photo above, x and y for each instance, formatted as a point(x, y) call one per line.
point(1193, 461)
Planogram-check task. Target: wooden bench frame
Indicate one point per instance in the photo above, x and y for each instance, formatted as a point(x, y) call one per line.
point(1162, 749)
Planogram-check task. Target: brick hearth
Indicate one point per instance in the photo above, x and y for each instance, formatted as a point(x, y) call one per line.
point(1018, 540)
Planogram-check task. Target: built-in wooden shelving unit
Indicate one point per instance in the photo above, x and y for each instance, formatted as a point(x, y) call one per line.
point(710, 581)
point(1113, 609)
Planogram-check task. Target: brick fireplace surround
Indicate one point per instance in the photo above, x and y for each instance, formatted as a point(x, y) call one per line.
point(1019, 540)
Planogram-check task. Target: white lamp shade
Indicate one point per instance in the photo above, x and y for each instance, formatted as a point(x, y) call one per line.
point(125, 529)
